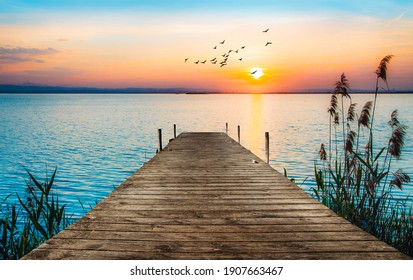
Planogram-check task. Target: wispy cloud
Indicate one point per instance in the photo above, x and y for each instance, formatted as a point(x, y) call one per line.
point(397, 19)
point(18, 54)
point(401, 15)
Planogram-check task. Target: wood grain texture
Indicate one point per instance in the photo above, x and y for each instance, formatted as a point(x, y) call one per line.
point(204, 196)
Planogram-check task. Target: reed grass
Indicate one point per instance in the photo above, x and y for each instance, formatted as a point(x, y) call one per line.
point(34, 219)
point(358, 182)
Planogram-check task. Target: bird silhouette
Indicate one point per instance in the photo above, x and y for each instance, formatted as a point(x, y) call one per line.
point(203, 62)
point(222, 42)
point(236, 51)
point(240, 59)
point(268, 43)
point(253, 72)
point(213, 59)
point(186, 59)
point(214, 62)
point(266, 30)
point(215, 47)
point(224, 55)
point(196, 62)
point(243, 47)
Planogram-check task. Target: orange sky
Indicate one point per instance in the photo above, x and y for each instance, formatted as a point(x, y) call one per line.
point(147, 49)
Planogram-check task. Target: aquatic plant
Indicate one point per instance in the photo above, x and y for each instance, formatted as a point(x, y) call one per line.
point(358, 184)
point(36, 218)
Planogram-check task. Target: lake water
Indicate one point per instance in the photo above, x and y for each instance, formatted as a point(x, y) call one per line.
point(97, 141)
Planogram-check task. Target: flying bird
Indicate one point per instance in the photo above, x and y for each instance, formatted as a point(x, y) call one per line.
point(213, 59)
point(268, 43)
point(243, 47)
point(196, 62)
point(222, 42)
point(215, 47)
point(240, 59)
point(266, 30)
point(253, 72)
point(203, 62)
point(186, 59)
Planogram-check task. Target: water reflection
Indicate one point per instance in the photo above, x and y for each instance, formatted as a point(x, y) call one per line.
point(98, 141)
point(255, 124)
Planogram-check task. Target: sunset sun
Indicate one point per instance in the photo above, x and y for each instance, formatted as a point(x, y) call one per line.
point(256, 73)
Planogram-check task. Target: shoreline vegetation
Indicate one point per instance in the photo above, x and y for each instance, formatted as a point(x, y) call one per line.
point(36, 218)
point(356, 179)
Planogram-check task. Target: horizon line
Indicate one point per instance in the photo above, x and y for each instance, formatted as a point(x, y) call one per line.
point(37, 88)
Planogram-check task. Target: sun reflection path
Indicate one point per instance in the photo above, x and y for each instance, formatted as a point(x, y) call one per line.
point(255, 125)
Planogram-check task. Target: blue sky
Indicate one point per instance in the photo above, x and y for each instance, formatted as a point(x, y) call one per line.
point(378, 7)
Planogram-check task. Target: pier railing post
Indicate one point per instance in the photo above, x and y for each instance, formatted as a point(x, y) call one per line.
point(239, 134)
point(160, 139)
point(226, 128)
point(267, 147)
point(174, 131)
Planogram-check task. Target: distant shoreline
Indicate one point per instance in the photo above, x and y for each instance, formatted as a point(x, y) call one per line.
point(39, 89)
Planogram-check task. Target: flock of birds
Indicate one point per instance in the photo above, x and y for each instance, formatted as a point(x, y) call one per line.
point(224, 61)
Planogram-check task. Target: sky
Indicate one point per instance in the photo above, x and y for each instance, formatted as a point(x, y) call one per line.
point(145, 43)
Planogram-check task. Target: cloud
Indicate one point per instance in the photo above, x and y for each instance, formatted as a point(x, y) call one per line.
point(52, 72)
point(18, 54)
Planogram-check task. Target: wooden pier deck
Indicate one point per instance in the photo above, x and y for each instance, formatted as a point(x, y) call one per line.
point(207, 197)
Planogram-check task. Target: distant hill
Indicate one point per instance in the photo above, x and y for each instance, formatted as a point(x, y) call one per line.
point(29, 88)
point(35, 88)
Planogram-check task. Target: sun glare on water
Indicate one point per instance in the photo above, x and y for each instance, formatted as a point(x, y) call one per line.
point(256, 73)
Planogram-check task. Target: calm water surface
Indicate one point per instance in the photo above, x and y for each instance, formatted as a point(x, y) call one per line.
point(97, 141)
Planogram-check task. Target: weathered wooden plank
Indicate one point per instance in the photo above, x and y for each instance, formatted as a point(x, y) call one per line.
point(45, 253)
point(190, 247)
point(96, 226)
point(206, 197)
point(194, 218)
point(201, 216)
point(255, 237)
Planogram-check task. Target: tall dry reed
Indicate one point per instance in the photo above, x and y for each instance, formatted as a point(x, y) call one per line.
point(358, 183)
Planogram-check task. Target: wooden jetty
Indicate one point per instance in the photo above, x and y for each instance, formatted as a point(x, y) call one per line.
point(205, 196)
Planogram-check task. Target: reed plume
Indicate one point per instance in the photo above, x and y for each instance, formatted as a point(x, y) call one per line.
point(350, 142)
point(332, 111)
point(382, 69)
point(364, 119)
point(394, 119)
point(351, 112)
point(341, 88)
point(381, 73)
point(322, 153)
point(396, 141)
point(399, 177)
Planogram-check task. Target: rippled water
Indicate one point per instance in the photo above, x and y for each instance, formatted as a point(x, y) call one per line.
point(97, 141)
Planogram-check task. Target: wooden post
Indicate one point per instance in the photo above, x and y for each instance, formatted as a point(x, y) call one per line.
point(267, 146)
point(226, 128)
point(160, 140)
point(174, 131)
point(239, 134)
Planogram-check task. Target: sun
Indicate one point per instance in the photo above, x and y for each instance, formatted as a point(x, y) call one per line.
point(256, 73)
